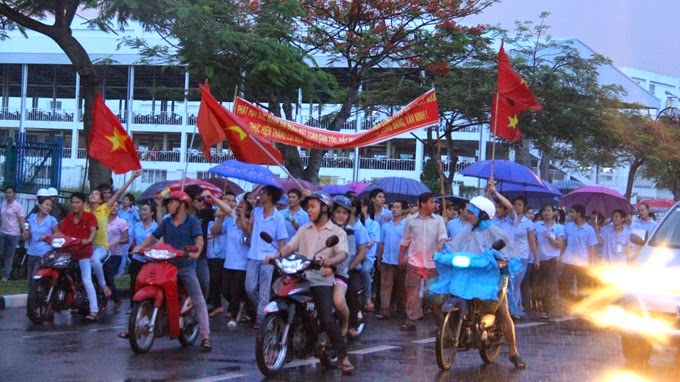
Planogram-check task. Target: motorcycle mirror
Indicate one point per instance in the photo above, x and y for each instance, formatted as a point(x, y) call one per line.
point(332, 241)
point(266, 237)
point(498, 245)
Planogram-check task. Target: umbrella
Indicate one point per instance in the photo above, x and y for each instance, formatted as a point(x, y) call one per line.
point(504, 171)
point(176, 185)
point(231, 186)
point(252, 173)
point(597, 198)
point(289, 183)
point(568, 185)
point(657, 205)
point(335, 189)
point(398, 188)
point(358, 186)
point(536, 196)
point(452, 199)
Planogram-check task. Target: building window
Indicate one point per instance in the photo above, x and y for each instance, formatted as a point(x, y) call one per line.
point(153, 176)
point(652, 88)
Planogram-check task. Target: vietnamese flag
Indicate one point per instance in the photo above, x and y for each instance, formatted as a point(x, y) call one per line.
point(109, 143)
point(247, 146)
point(209, 129)
point(512, 98)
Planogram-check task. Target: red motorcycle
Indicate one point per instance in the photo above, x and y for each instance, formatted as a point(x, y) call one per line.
point(291, 328)
point(58, 285)
point(162, 305)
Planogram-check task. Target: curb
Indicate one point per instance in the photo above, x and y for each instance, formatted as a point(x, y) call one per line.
point(19, 300)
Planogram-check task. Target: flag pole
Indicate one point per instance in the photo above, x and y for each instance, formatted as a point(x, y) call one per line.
point(495, 126)
point(441, 177)
point(87, 161)
point(186, 159)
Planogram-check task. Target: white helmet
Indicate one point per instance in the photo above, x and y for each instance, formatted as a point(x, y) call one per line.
point(52, 191)
point(485, 205)
point(42, 192)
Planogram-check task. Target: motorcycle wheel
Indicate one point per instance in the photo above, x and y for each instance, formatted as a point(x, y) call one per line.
point(38, 309)
point(636, 349)
point(190, 330)
point(491, 352)
point(269, 352)
point(139, 327)
point(446, 341)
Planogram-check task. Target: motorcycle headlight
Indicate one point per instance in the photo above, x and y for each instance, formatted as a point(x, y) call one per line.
point(58, 242)
point(293, 266)
point(62, 260)
point(159, 254)
point(461, 261)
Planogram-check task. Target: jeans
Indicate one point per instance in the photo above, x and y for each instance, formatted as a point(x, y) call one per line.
point(8, 244)
point(135, 268)
point(367, 278)
point(259, 285)
point(234, 289)
point(515, 303)
point(110, 270)
point(203, 274)
point(99, 256)
point(546, 280)
point(352, 297)
point(86, 276)
point(33, 266)
point(414, 300)
point(187, 276)
point(126, 259)
point(323, 300)
point(215, 267)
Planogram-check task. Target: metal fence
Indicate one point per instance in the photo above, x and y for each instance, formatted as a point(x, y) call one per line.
point(29, 166)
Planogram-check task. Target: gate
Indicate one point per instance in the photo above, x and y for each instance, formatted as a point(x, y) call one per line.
point(29, 166)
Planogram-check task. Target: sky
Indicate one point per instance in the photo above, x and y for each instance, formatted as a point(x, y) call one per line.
point(633, 33)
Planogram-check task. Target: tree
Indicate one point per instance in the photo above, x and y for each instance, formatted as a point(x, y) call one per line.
point(572, 126)
point(35, 15)
point(664, 165)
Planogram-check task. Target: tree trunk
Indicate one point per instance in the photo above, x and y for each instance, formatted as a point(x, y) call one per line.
point(544, 166)
point(637, 162)
point(524, 156)
point(291, 156)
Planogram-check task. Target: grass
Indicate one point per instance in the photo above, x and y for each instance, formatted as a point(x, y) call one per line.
point(21, 286)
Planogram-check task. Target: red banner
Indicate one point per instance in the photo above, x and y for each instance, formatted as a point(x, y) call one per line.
point(422, 112)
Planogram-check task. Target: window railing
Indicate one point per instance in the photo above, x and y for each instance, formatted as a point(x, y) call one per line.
point(162, 118)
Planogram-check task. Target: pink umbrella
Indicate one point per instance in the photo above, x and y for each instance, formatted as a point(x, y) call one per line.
point(358, 186)
point(287, 184)
point(596, 198)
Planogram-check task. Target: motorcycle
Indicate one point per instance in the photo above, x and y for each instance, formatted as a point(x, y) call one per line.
point(162, 306)
point(291, 327)
point(58, 285)
point(471, 323)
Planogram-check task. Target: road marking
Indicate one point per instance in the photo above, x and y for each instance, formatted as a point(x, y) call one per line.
point(301, 362)
point(108, 328)
point(49, 334)
point(561, 319)
point(529, 324)
point(223, 377)
point(425, 341)
point(373, 349)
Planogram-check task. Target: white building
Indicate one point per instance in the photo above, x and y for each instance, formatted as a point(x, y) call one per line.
point(37, 74)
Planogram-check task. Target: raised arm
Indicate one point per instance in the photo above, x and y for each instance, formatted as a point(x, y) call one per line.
point(136, 174)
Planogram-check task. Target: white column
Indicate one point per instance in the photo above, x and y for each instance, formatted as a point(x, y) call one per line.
point(24, 90)
point(185, 120)
point(419, 157)
point(75, 136)
point(130, 97)
point(78, 112)
point(183, 147)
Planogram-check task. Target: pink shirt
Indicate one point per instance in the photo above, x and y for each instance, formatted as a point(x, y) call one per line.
point(115, 232)
point(10, 215)
point(421, 236)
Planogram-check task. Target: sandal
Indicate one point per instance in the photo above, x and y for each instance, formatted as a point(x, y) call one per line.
point(124, 335)
point(368, 306)
point(408, 327)
point(216, 312)
point(116, 306)
point(347, 369)
point(382, 316)
point(92, 317)
point(107, 291)
point(518, 361)
point(206, 345)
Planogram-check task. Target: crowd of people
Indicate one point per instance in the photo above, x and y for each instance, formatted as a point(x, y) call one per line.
point(386, 249)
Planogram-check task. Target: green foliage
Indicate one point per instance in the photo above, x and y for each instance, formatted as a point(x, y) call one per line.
point(430, 176)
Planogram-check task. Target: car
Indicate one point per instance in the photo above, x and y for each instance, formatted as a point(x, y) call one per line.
point(653, 295)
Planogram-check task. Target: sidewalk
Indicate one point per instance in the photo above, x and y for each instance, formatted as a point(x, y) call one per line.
point(13, 301)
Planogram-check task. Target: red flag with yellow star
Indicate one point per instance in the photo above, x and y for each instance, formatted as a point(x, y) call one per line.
point(247, 146)
point(109, 143)
point(513, 97)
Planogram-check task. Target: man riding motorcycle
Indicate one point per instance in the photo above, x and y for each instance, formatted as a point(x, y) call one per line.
point(479, 236)
point(310, 239)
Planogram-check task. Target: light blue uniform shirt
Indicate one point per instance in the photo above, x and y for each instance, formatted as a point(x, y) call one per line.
point(138, 234)
point(390, 236)
point(373, 230)
point(217, 248)
point(455, 226)
point(615, 246)
point(360, 237)
point(507, 224)
point(237, 250)
point(131, 216)
point(37, 247)
point(521, 236)
point(300, 216)
point(274, 225)
point(650, 226)
point(546, 250)
point(579, 241)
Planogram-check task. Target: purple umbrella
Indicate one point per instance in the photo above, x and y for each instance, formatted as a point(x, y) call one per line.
point(398, 188)
point(536, 196)
point(288, 183)
point(504, 171)
point(597, 198)
point(358, 186)
point(335, 189)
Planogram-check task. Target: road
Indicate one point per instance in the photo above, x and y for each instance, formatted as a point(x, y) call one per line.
point(69, 350)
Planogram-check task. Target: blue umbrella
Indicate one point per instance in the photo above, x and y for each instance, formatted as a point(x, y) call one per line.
point(504, 171)
point(536, 196)
point(398, 188)
point(252, 173)
point(568, 185)
point(335, 189)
